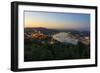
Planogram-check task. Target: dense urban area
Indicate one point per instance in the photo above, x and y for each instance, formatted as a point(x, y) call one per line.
point(51, 44)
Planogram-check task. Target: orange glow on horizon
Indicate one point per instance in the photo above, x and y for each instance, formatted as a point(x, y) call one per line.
point(47, 24)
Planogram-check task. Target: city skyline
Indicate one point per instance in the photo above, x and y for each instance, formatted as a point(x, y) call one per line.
point(57, 20)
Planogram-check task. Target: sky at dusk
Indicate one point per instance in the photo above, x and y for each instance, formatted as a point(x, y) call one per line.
point(57, 20)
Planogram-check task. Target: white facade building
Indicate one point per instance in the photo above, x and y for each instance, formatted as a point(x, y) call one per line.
point(65, 38)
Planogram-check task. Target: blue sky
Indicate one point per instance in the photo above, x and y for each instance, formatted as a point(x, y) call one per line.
point(57, 20)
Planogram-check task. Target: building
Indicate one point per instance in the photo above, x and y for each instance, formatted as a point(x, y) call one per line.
point(64, 37)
